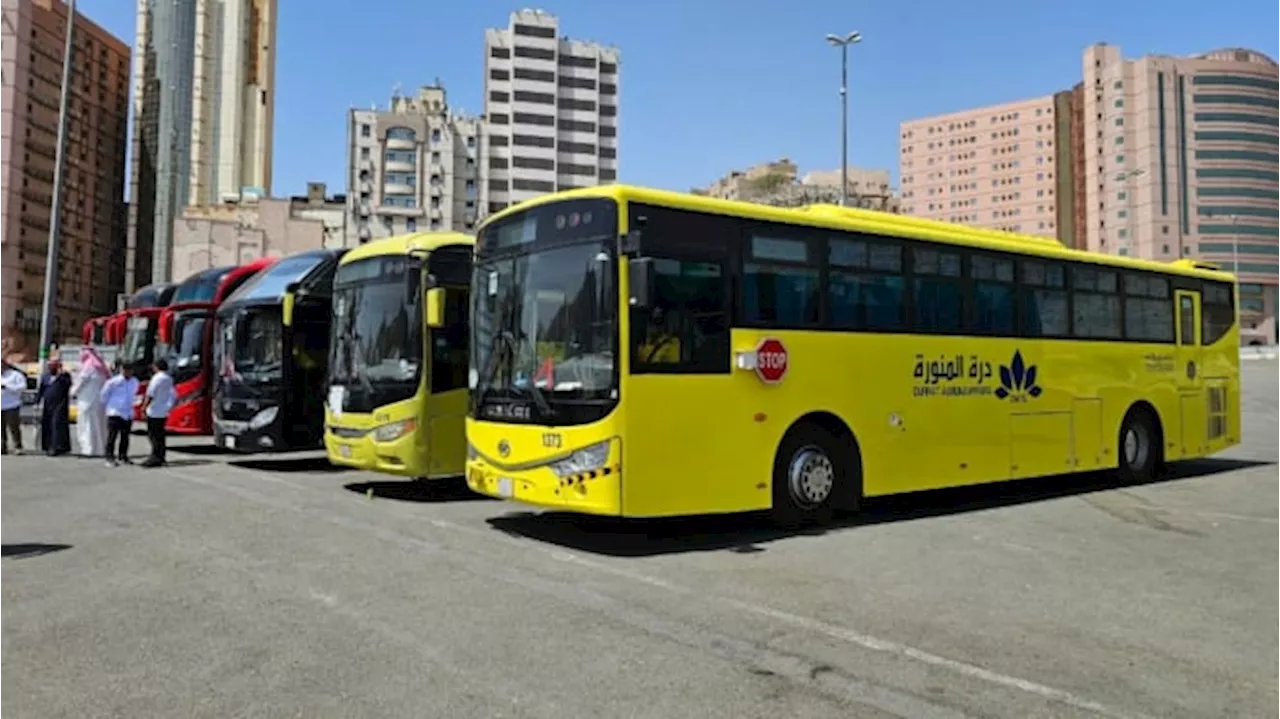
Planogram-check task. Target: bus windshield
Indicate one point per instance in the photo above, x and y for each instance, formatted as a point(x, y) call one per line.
point(376, 353)
point(252, 345)
point(544, 329)
point(139, 340)
point(185, 354)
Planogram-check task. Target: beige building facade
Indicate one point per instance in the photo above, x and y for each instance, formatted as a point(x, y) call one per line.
point(779, 183)
point(233, 99)
point(203, 114)
point(412, 167)
point(92, 250)
point(234, 233)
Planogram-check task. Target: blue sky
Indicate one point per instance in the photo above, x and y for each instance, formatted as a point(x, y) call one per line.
point(719, 84)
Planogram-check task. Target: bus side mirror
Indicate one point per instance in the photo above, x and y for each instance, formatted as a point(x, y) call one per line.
point(640, 277)
point(435, 307)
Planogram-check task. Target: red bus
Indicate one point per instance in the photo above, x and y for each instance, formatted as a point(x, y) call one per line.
point(132, 331)
point(186, 329)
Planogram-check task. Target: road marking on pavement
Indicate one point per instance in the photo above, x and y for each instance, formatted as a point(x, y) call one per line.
point(833, 631)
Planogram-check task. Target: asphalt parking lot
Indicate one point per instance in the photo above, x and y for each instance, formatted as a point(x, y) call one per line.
point(222, 587)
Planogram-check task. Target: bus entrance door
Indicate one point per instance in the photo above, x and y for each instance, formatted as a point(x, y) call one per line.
point(1187, 375)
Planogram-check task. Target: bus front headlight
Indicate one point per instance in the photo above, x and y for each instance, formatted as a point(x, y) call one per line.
point(392, 431)
point(586, 459)
point(264, 418)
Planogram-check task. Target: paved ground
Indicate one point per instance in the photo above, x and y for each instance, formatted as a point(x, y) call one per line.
point(218, 589)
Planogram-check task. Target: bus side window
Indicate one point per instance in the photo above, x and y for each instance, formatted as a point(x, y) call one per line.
point(1043, 309)
point(449, 344)
point(686, 328)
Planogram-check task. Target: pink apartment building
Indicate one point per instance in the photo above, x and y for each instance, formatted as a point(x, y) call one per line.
point(1159, 157)
point(995, 167)
point(1180, 160)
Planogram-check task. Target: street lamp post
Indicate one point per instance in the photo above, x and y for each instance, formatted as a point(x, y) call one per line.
point(53, 259)
point(843, 42)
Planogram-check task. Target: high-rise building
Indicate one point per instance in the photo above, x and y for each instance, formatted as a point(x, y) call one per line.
point(203, 102)
point(231, 142)
point(92, 249)
point(414, 166)
point(996, 167)
point(1180, 161)
point(551, 105)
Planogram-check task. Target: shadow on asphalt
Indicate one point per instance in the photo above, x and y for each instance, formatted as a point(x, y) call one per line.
point(23, 551)
point(288, 464)
point(197, 449)
point(745, 533)
point(410, 490)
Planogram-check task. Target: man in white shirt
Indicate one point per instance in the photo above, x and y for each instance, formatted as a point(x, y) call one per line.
point(161, 397)
point(117, 396)
point(12, 383)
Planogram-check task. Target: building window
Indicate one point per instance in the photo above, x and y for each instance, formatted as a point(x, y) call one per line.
point(1119, 102)
point(1119, 122)
point(1120, 140)
point(401, 133)
point(411, 225)
point(1118, 85)
point(365, 130)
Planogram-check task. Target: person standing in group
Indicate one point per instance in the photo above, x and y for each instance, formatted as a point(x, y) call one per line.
point(55, 410)
point(160, 400)
point(118, 395)
point(13, 382)
point(91, 430)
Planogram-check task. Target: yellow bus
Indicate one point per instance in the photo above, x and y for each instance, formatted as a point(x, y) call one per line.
point(397, 379)
point(643, 353)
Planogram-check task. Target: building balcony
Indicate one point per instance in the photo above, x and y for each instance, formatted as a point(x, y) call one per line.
point(394, 143)
point(398, 166)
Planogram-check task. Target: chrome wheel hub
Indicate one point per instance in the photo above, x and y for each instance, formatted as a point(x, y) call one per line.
point(811, 477)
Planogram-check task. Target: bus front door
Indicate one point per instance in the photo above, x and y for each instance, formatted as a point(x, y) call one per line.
point(1187, 375)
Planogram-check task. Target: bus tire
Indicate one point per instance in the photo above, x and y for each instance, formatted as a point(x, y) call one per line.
point(1139, 448)
point(807, 474)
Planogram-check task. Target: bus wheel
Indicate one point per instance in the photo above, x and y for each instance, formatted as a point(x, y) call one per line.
point(1139, 451)
point(806, 474)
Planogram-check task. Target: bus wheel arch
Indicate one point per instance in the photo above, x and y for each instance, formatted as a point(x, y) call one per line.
point(818, 457)
point(1140, 443)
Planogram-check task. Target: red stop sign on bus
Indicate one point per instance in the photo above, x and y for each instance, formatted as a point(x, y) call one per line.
point(771, 360)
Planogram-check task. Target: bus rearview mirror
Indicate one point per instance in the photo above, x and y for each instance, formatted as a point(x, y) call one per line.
point(640, 281)
point(435, 307)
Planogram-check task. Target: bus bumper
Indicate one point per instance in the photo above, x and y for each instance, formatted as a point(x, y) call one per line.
point(595, 492)
point(402, 456)
point(240, 437)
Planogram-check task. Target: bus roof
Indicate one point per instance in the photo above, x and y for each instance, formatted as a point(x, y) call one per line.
point(153, 295)
point(404, 244)
point(269, 285)
point(871, 221)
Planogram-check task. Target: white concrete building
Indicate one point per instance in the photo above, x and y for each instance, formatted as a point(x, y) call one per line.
point(551, 104)
point(413, 167)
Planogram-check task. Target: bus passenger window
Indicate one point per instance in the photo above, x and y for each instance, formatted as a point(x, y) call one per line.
point(1044, 299)
point(1096, 303)
point(865, 286)
point(685, 330)
point(992, 295)
point(938, 297)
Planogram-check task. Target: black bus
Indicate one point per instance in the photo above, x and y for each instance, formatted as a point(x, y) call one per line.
point(271, 354)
